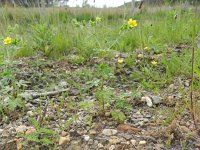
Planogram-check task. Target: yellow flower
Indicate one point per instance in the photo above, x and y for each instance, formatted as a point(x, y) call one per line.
point(120, 60)
point(132, 23)
point(146, 48)
point(98, 19)
point(7, 40)
point(154, 62)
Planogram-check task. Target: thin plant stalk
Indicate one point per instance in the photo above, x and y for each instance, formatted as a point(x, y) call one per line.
point(141, 27)
point(192, 101)
point(103, 103)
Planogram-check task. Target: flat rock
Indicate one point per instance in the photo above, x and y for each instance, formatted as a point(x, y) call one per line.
point(127, 136)
point(21, 129)
point(142, 143)
point(107, 114)
point(63, 133)
point(147, 100)
point(156, 100)
point(109, 132)
point(64, 140)
point(100, 146)
point(92, 132)
point(114, 140)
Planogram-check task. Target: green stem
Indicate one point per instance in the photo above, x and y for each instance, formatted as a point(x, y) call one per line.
point(103, 103)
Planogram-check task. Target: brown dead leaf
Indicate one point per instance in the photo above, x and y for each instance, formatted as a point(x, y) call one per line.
point(127, 128)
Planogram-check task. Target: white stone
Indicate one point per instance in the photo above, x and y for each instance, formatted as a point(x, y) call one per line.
point(142, 143)
point(128, 142)
point(86, 137)
point(133, 142)
point(148, 101)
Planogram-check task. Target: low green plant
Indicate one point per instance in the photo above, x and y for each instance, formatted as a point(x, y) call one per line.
point(9, 85)
point(42, 35)
point(42, 136)
point(104, 72)
point(103, 94)
point(87, 106)
point(103, 97)
point(123, 104)
point(76, 59)
point(118, 116)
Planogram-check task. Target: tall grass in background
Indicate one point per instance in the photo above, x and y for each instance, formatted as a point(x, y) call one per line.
point(51, 31)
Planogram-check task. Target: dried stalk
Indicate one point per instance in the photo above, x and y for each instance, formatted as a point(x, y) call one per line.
point(192, 101)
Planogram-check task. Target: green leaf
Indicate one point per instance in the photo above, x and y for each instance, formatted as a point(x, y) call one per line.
point(34, 122)
point(12, 104)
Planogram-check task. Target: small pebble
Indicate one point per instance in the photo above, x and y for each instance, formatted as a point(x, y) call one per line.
point(107, 114)
point(142, 143)
point(109, 132)
point(156, 100)
point(112, 147)
point(92, 132)
point(128, 143)
point(133, 142)
point(64, 140)
point(21, 129)
point(90, 142)
point(86, 137)
point(138, 113)
point(100, 145)
point(63, 133)
point(148, 101)
point(30, 113)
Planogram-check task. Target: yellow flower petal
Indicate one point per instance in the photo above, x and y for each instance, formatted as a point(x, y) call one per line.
point(120, 61)
point(146, 48)
point(154, 62)
point(132, 23)
point(7, 40)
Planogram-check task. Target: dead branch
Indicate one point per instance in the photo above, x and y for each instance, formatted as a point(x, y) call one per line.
point(35, 95)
